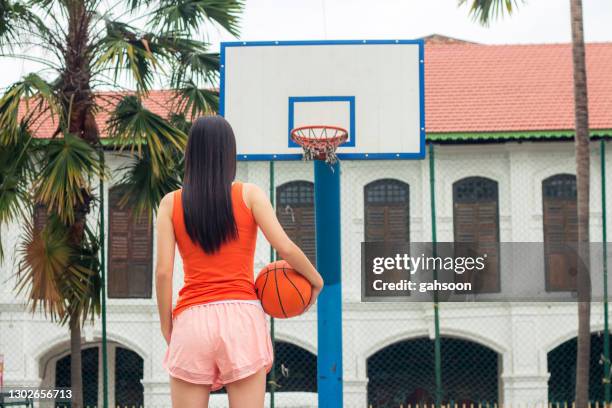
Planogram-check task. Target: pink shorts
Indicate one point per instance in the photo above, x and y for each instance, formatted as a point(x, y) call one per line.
point(218, 343)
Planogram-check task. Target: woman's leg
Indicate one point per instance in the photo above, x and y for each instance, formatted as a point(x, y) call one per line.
point(188, 395)
point(248, 392)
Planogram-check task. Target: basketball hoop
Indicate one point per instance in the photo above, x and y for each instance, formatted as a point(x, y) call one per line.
point(320, 141)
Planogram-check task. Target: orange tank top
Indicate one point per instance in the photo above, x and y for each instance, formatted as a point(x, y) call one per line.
point(226, 274)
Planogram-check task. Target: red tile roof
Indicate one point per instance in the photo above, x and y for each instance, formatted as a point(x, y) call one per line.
point(487, 88)
point(157, 102)
point(506, 88)
point(443, 39)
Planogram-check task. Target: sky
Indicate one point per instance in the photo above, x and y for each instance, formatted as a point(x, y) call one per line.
point(535, 21)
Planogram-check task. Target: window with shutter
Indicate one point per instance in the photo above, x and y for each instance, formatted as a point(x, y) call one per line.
point(560, 223)
point(476, 230)
point(130, 251)
point(39, 221)
point(295, 211)
point(40, 217)
point(387, 211)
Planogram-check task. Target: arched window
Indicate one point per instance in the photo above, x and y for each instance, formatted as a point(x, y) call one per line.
point(127, 367)
point(295, 368)
point(130, 251)
point(295, 211)
point(560, 223)
point(129, 372)
point(295, 371)
point(402, 373)
point(562, 368)
point(387, 210)
point(476, 230)
point(89, 373)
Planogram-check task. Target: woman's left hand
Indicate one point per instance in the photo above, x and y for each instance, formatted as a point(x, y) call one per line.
point(316, 289)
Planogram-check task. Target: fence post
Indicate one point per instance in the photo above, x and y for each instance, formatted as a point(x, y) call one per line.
point(103, 288)
point(604, 239)
point(272, 258)
point(434, 239)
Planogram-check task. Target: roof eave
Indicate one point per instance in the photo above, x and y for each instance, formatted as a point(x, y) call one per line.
point(514, 136)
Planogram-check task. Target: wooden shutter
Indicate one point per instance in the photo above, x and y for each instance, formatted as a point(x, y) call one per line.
point(560, 223)
point(387, 211)
point(40, 217)
point(39, 221)
point(295, 211)
point(130, 251)
point(476, 224)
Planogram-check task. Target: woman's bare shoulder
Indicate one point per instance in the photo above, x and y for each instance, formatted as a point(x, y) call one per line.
point(251, 188)
point(252, 193)
point(166, 203)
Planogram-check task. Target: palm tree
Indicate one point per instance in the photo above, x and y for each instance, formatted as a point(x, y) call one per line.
point(88, 46)
point(484, 11)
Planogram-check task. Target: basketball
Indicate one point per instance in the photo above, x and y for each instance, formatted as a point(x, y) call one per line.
point(283, 292)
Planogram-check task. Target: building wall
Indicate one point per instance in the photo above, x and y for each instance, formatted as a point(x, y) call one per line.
point(521, 334)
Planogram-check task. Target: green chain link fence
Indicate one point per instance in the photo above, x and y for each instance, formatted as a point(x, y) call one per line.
point(489, 353)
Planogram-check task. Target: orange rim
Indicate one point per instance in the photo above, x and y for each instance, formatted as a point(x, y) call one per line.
point(319, 138)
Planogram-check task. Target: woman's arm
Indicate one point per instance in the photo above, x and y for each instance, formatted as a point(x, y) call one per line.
point(265, 216)
point(165, 264)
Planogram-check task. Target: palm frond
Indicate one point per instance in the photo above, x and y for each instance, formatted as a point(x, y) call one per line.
point(16, 19)
point(32, 94)
point(180, 121)
point(53, 30)
point(131, 124)
point(486, 10)
point(142, 189)
point(46, 4)
point(54, 276)
point(123, 49)
point(134, 5)
point(63, 184)
point(44, 257)
point(188, 59)
point(169, 54)
point(80, 287)
point(16, 171)
point(194, 64)
point(187, 15)
point(193, 101)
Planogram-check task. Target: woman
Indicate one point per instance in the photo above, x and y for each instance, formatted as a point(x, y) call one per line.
point(217, 333)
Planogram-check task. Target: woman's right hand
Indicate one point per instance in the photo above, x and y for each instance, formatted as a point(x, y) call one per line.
point(167, 333)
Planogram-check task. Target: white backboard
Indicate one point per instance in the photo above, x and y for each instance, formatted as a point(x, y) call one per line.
point(374, 89)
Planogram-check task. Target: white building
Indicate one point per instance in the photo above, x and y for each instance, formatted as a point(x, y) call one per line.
point(505, 142)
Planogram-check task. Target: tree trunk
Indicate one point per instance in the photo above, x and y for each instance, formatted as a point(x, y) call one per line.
point(76, 379)
point(583, 355)
point(78, 103)
point(76, 90)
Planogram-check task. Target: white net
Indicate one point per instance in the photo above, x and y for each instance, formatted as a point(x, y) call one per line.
point(320, 142)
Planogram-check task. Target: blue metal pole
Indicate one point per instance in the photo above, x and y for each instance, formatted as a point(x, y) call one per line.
point(272, 328)
point(329, 304)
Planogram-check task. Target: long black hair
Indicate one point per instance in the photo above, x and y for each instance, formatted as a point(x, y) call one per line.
point(210, 168)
